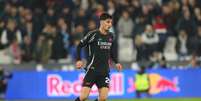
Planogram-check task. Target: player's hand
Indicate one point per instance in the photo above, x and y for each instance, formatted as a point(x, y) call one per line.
point(79, 64)
point(119, 66)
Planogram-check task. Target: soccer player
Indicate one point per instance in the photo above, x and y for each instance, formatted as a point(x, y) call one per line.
point(100, 50)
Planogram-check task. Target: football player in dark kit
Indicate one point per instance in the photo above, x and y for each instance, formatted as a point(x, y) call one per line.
point(100, 50)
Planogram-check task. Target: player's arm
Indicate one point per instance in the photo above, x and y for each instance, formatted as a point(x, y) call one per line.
point(114, 58)
point(83, 42)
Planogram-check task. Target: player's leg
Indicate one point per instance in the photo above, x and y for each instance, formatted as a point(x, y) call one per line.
point(147, 93)
point(138, 94)
point(88, 82)
point(84, 94)
point(103, 87)
point(103, 93)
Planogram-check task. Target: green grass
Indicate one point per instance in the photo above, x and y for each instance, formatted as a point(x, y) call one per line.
point(154, 99)
point(176, 99)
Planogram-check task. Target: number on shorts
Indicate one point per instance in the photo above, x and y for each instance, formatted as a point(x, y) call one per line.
point(107, 80)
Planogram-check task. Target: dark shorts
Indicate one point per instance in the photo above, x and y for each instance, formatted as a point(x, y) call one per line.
point(92, 78)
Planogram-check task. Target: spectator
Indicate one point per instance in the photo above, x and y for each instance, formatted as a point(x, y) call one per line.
point(140, 47)
point(196, 43)
point(197, 15)
point(91, 25)
point(161, 29)
point(136, 4)
point(10, 12)
point(193, 63)
point(42, 49)
point(51, 16)
point(111, 7)
point(38, 49)
point(63, 31)
point(38, 23)
point(2, 23)
point(183, 45)
point(27, 49)
point(170, 17)
point(150, 40)
point(11, 33)
point(15, 52)
point(76, 37)
point(146, 12)
point(80, 18)
point(125, 41)
point(139, 26)
point(66, 14)
point(186, 22)
point(57, 46)
point(159, 25)
point(29, 29)
point(4, 77)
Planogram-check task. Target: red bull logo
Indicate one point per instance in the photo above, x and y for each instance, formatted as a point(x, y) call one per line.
point(56, 86)
point(158, 84)
point(161, 84)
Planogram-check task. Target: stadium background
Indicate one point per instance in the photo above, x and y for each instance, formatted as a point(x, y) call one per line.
point(40, 36)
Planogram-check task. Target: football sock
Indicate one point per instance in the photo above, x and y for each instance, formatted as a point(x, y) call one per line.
point(77, 99)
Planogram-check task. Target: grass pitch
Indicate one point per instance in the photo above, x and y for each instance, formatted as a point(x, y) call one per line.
point(175, 99)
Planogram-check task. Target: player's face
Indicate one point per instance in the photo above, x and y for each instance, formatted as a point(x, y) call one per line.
point(107, 24)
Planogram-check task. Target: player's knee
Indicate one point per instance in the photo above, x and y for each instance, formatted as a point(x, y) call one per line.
point(83, 98)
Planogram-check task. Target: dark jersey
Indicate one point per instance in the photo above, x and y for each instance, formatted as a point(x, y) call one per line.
point(100, 50)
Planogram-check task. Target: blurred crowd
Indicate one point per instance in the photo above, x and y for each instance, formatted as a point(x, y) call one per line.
point(146, 30)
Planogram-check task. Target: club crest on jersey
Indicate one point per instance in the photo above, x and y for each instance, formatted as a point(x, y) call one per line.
point(110, 39)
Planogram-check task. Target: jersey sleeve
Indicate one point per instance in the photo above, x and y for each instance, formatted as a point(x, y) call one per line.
point(88, 38)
